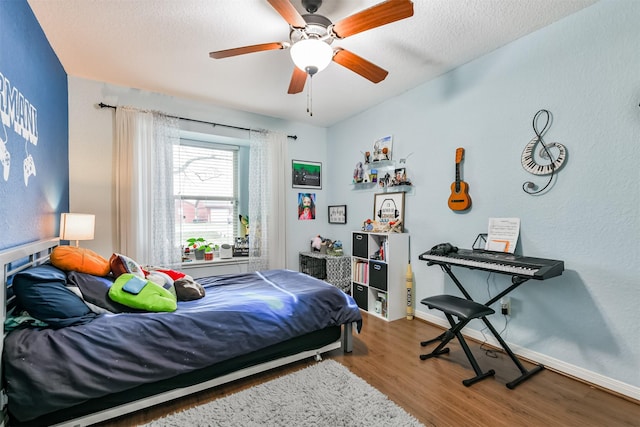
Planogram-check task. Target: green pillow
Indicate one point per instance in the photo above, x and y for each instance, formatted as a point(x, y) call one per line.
point(151, 297)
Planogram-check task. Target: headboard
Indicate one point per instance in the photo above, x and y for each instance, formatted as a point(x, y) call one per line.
point(20, 258)
point(13, 261)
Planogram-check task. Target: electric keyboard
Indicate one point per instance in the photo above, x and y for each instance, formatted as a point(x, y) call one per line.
point(498, 262)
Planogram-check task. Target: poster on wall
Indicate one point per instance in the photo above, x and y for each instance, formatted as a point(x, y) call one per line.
point(382, 149)
point(306, 174)
point(388, 209)
point(306, 206)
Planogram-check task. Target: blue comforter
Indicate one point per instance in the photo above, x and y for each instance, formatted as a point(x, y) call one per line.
point(48, 369)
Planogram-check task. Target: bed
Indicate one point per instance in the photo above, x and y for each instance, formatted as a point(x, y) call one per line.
point(115, 364)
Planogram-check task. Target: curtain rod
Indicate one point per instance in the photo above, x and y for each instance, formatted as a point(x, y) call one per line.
point(103, 105)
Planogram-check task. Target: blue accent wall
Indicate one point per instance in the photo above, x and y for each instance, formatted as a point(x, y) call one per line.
point(35, 130)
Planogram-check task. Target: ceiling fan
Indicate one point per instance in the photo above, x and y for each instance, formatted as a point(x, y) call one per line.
point(311, 36)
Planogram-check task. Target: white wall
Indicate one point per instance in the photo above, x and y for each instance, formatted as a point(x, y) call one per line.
point(91, 140)
point(584, 69)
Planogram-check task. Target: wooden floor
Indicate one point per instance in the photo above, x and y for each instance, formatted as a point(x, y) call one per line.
point(386, 355)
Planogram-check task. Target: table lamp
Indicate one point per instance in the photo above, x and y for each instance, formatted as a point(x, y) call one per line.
point(76, 226)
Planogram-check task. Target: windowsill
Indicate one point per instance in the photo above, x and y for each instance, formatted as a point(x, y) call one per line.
point(215, 262)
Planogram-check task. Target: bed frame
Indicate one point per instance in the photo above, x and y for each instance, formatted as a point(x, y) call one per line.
point(17, 259)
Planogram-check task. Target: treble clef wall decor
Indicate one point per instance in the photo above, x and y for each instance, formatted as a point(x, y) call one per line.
point(553, 152)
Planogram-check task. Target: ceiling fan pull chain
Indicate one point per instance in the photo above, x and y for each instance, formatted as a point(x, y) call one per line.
point(310, 96)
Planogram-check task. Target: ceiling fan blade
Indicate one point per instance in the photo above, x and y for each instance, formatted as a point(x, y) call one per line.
point(298, 79)
point(375, 16)
point(288, 12)
point(247, 49)
point(359, 65)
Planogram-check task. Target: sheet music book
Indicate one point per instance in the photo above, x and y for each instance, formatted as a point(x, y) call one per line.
point(503, 234)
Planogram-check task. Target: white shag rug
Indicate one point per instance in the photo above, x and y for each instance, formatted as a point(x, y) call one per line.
point(323, 394)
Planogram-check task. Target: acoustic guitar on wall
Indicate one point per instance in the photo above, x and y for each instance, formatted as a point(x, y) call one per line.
point(459, 199)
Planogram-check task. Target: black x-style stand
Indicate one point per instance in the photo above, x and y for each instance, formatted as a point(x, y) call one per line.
point(466, 310)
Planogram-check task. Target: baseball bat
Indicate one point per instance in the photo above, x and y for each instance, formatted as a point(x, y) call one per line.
point(409, 279)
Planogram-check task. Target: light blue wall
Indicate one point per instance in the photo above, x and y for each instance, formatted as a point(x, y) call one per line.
point(33, 111)
point(585, 70)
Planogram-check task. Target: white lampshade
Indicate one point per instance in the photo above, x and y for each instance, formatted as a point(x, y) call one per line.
point(75, 226)
point(311, 55)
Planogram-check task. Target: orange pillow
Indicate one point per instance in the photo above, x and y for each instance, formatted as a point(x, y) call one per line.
point(72, 258)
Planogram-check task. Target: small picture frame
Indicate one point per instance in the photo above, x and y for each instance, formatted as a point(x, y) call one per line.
point(388, 208)
point(338, 214)
point(399, 176)
point(382, 149)
point(306, 174)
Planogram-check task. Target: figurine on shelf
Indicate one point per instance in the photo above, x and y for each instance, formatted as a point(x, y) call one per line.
point(358, 173)
point(382, 227)
point(386, 180)
point(395, 226)
point(376, 151)
point(368, 225)
point(367, 157)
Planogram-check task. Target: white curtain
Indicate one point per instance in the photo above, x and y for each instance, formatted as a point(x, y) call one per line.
point(145, 221)
point(267, 200)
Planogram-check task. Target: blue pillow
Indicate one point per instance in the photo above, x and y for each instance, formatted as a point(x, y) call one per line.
point(95, 289)
point(42, 292)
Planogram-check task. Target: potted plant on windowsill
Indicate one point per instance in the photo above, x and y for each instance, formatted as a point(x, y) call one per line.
point(208, 252)
point(198, 246)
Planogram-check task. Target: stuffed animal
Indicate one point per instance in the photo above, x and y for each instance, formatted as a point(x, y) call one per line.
point(244, 225)
point(188, 289)
point(316, 243)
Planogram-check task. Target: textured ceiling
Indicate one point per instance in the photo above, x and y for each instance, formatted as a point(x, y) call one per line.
point(163, 46)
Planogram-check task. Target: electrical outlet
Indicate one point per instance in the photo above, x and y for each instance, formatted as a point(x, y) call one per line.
point(505, 306)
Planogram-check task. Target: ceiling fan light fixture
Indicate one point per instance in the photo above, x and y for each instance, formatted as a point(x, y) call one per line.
point(311, 55)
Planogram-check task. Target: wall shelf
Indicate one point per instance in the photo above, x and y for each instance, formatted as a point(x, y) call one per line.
point(382, 167)
point(370, 186)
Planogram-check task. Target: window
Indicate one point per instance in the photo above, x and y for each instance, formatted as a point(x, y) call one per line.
point(205, 179)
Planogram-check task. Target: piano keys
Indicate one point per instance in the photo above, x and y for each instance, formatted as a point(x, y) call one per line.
point(499, 262)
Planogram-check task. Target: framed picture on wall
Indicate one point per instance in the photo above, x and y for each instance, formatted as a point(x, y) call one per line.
point(306, 206)
point(338, 214)
point(389, 207)
point(382, 149)
point(306, 174)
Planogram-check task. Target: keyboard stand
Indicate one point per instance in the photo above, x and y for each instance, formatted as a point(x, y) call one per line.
point(515, 282)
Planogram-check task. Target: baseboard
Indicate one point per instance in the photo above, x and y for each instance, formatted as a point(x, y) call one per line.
point(614, 386)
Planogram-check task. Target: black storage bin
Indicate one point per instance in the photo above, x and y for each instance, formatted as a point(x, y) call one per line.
point(360, 245)
point(378, 275)
point(361, 295)
point(316, 267)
